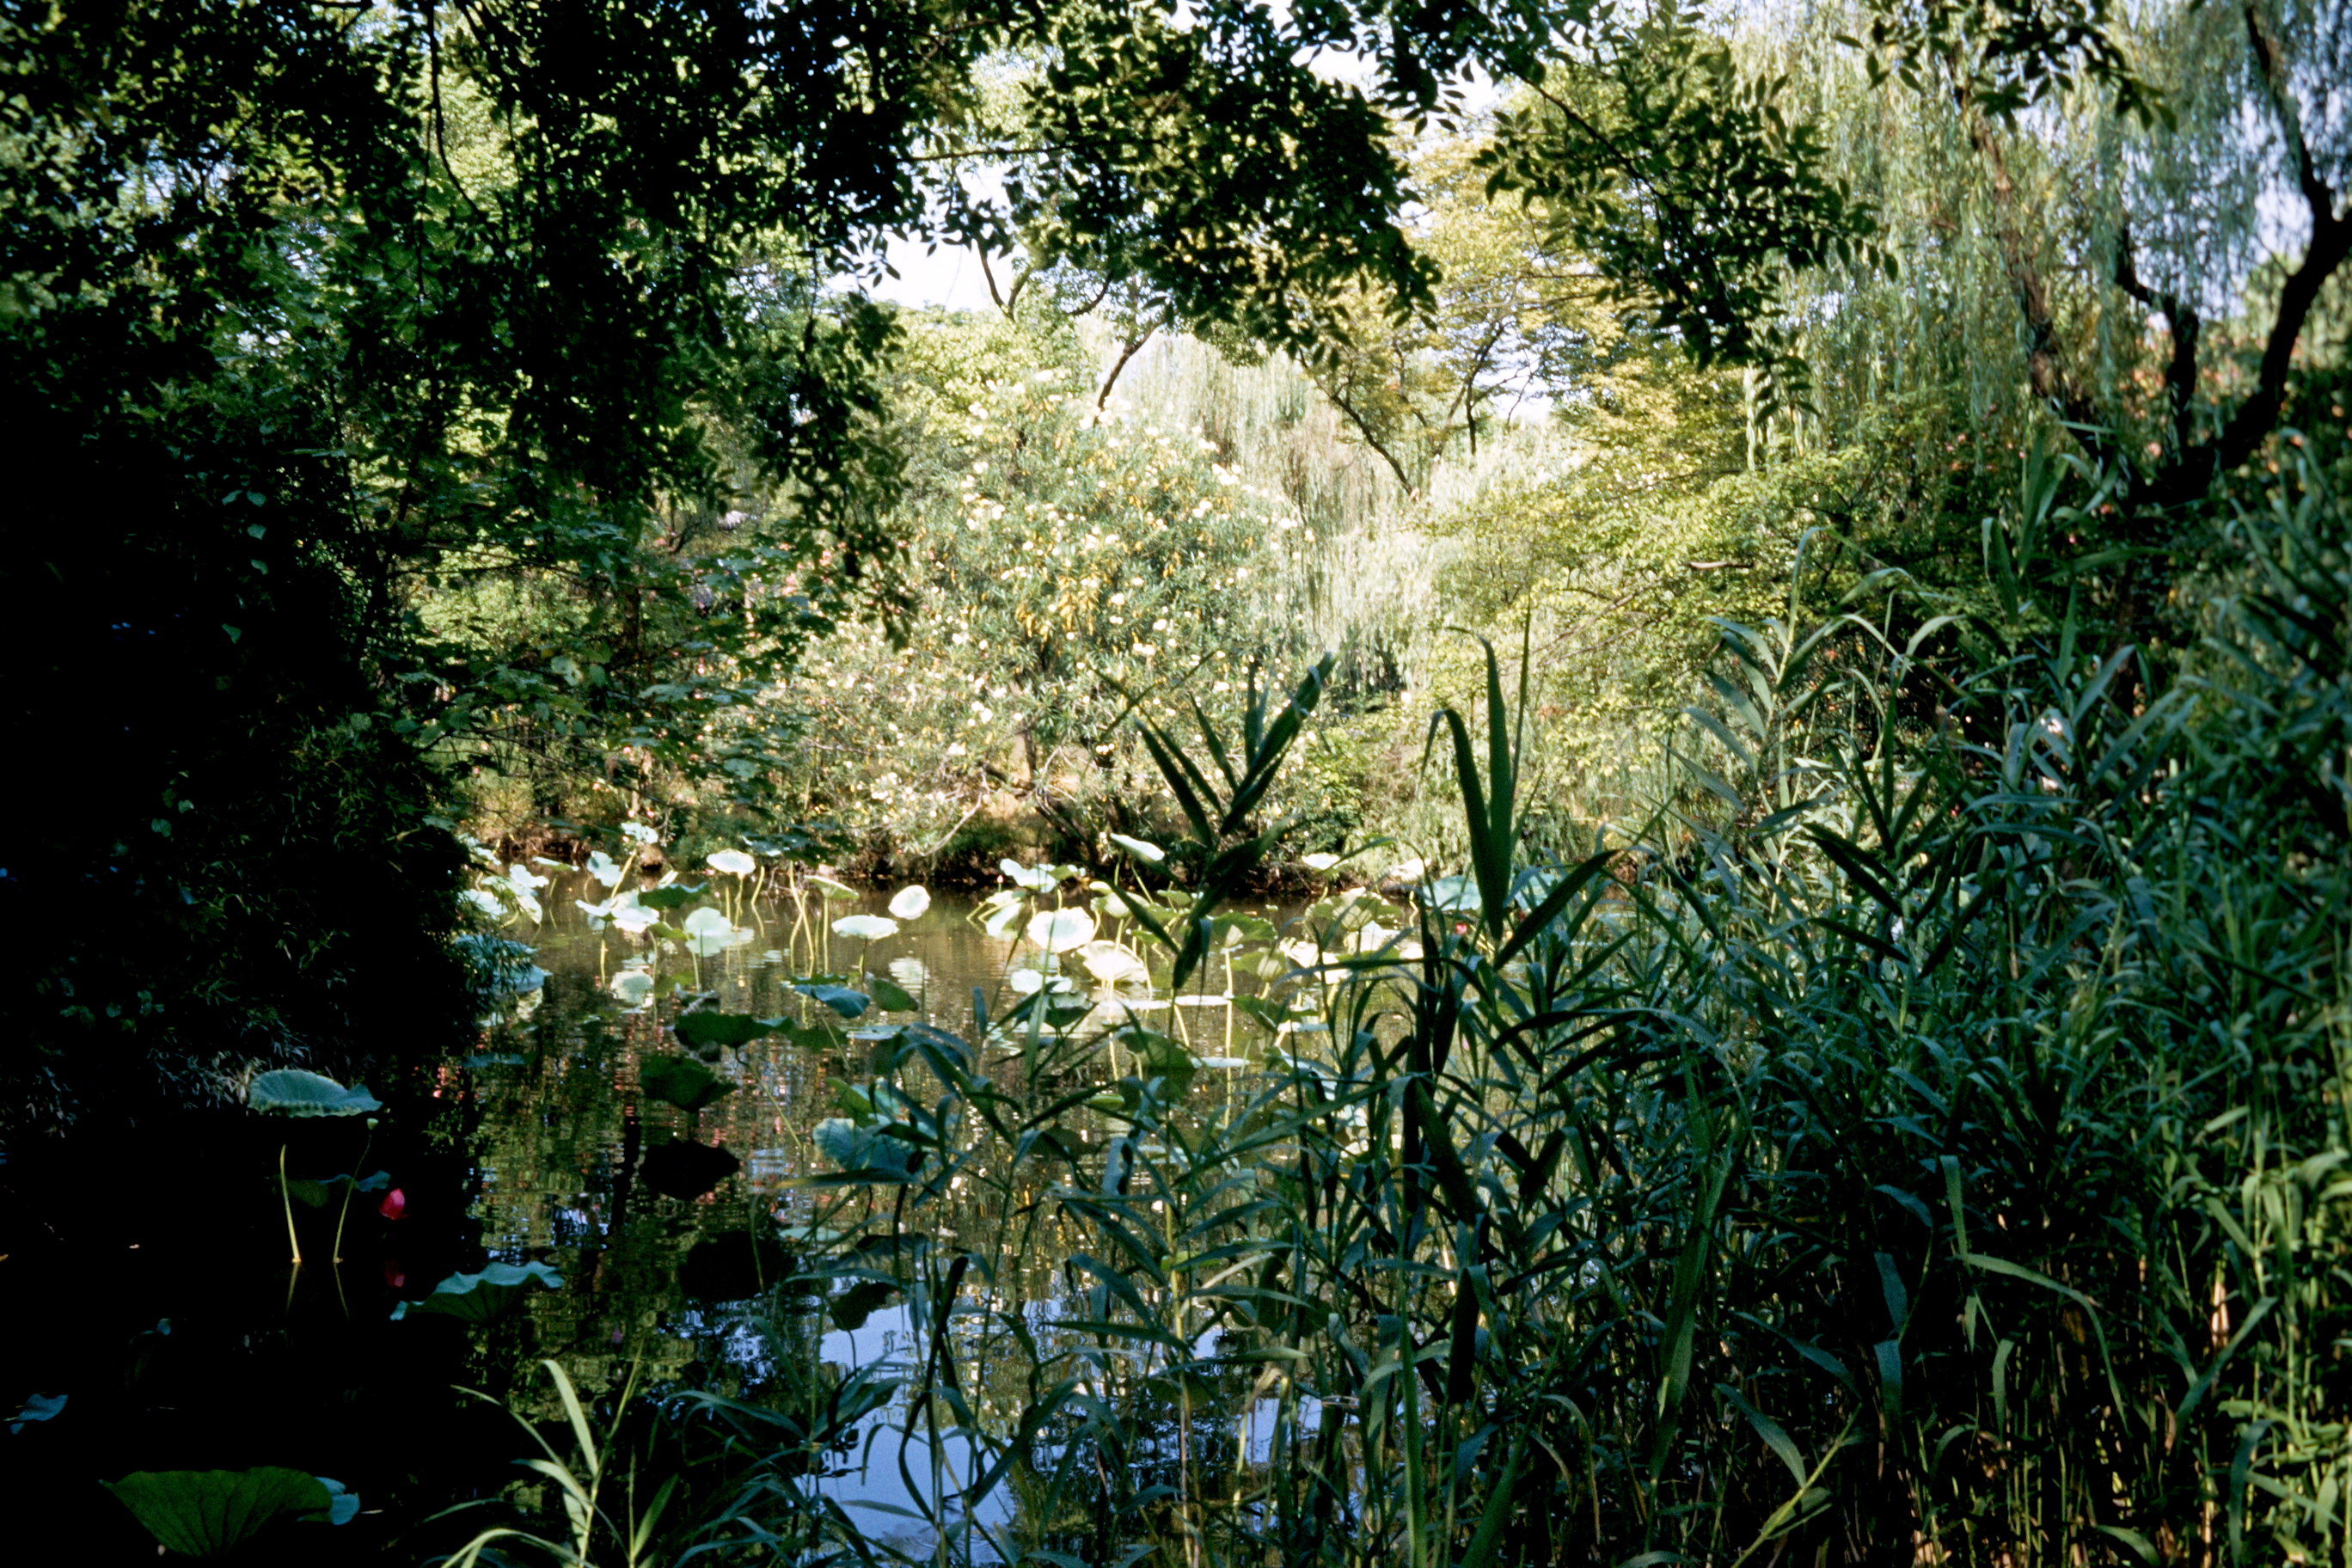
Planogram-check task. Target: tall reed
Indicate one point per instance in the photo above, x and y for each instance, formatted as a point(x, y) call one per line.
point(1901, 1147)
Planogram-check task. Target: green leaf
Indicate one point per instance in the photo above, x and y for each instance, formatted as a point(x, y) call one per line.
point(206, 1513)
point(481, 1297)
point(330, 1189)
point(850, 1310)
point(689, 1085)
point(840, 998)
point(292, 1091)
point(715, 1028)
point(866, 1152)
point(670, 897)
point(888, 997)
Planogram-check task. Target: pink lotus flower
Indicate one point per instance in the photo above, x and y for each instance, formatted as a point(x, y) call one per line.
point(395, 1204)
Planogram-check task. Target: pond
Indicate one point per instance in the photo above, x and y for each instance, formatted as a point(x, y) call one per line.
point(714, 1253)
point(670, 1286)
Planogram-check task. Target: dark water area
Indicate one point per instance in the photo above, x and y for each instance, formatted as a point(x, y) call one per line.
point(150, 1283)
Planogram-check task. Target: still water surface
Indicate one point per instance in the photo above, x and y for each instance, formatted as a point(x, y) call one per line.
point(670, 1285)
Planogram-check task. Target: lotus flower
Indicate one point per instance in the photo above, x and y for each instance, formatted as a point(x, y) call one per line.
point(867, 928)
point(911, 903)
point(1059, 931)
point(395, 1204)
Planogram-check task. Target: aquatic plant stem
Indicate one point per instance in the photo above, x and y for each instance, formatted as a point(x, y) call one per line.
point(288, 1198)
point(350, 1187)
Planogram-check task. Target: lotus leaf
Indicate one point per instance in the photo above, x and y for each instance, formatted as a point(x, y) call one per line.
point(734, 862)
point(481, 1297)
point(675, 896)
point(1139, 848)
point(840, 998)
point(1165, 1059)
point(1059, 931)
point(328, 1189)
point(292, 1091)
point(850, 1310)
point(864, 1153)
point(816, 1036)
point(205, 1513)
point(686, 1171)
point(342, 1506)
point(689, 1085)
point(715, 1028)
point(866, 928)
point(1453, 895)
point(888, 997)
point(37, 1407)
point(911, 903)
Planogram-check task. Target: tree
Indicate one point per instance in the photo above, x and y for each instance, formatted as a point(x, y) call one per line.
point(342, 318)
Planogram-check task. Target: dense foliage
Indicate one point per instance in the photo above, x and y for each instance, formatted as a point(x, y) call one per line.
point(1852, 1062)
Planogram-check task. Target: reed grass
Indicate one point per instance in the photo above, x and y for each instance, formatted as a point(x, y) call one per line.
point(1894, 1148)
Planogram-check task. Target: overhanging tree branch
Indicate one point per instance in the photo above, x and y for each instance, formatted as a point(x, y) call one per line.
point(2195, 471)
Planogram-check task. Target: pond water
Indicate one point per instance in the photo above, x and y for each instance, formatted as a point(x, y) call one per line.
point(664, 1283)
point(178, 1335)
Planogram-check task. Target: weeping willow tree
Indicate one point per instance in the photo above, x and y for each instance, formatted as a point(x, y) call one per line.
point(2129, 230)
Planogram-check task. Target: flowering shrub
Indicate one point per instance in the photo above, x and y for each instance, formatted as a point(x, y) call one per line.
point(1088, 567)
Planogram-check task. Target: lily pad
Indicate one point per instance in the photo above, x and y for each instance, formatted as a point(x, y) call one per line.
point(1453, 895)
point(292, 1091)
point(686, 1171)
point(888, 995)
point(205, 1513)
point(330, 1189)
point(815, 1036)
point(342, 1506)
point(37, 1407)
point(713, 1028)
point(689, 1085)
point(865, 1153)
point(850, 1310)
point(840, 998)
point(675, 896)
point(481, 1298)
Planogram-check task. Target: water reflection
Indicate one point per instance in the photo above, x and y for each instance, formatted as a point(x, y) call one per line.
point(698, 1291)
